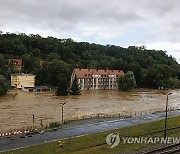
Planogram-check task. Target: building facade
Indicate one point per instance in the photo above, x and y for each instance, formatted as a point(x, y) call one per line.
point(23, 81)
point(96, 78)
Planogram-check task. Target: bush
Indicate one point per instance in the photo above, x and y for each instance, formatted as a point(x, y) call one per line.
point(54, 124)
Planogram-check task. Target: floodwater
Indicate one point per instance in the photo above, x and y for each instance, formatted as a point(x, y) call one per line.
point(16, 111)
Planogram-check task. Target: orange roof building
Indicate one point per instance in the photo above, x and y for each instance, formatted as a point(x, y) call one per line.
point(41, 62)
point(97, 78)
point(17, 63)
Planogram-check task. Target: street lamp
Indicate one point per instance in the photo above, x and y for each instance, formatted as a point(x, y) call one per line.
point(62, 119)
point(33, 119)
point(63, 112)
point(165, 126)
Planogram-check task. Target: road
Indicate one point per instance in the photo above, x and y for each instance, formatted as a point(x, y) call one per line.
point(8, 144)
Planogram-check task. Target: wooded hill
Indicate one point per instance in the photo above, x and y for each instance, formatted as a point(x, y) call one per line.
point(151, 68)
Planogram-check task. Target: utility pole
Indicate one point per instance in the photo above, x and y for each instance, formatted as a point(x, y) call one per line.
point(63, 112)
point(165, 125)
point(33, 118)
point(62, 122)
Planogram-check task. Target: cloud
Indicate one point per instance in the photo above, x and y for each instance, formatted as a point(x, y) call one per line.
point(171, 48)
point(65, 14)
point(123, 22)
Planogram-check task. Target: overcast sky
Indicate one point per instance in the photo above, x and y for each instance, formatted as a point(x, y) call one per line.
point(153, 23)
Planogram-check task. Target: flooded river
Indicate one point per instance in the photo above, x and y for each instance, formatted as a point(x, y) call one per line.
point(16, 110)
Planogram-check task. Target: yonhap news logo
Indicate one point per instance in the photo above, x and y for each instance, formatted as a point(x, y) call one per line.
point(113, 140)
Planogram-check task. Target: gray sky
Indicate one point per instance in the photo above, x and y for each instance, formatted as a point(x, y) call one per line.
point(153, 23)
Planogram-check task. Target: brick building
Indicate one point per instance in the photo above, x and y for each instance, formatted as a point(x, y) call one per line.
point(97, 78)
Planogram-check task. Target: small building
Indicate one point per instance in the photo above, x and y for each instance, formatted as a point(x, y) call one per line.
point(16, 64)
point(37, 89)
point(20, 81)
point(97, 78)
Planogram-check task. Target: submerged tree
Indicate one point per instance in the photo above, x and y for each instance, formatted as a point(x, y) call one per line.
point(75, 89)
point(3, 85)
point(56, 70)
point(62, 86)
point(127, 82)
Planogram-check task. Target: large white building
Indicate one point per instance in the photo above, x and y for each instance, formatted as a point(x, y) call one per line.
point(96, 78)
point(23, 81)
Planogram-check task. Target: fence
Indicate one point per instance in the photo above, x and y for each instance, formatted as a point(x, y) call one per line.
point(121, 115)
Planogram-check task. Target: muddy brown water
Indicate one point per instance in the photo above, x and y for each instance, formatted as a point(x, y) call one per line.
point(16, 110)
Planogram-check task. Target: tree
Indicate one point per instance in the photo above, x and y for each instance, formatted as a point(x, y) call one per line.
point(2, 64)
point(173, 83)
point(127, 82)
point(150, 78)
point(53, 56)
point(62, 86)
point(36, 52)
point(75, 89)
point(55, 69)
point(28, 63)
point(3, 85)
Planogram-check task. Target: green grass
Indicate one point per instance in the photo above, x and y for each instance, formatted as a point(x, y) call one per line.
point(87, 144)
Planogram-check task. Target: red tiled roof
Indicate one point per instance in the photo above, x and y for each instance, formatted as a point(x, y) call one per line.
point(87, 73)
point(41, 62)
point(16, 61)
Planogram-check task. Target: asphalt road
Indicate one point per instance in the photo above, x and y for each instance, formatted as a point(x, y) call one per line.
point(17, 142)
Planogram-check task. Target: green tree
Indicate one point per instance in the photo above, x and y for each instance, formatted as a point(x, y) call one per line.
point(53, 56)
point(75, 89)
point(41, 74)
point(150, 78)
point(62, 86)
point(2, 64)
point(127, 82)
point(3, 85)
point(36, 52)
point(54, 70)
point(28, 63)
point(173, 83)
